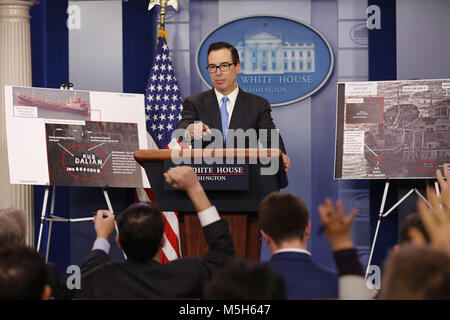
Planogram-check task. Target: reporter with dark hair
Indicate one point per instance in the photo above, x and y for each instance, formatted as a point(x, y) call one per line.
point(23, 274)
point(13, 233)
point(285, 226)
point(245, 280)
point(141, 238)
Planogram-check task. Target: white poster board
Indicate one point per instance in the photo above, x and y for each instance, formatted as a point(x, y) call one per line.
point(74, 138)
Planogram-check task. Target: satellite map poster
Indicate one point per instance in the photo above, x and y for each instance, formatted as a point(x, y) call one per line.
point(74, 137)
point(93, 154)
point(392, 129)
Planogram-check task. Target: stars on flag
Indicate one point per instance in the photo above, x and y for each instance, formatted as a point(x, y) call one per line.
point(163, 99)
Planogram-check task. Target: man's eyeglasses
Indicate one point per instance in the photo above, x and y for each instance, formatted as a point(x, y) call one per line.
point(212, 68)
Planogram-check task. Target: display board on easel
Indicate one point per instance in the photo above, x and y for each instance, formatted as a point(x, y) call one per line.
point(392, 129)
point(74, 138)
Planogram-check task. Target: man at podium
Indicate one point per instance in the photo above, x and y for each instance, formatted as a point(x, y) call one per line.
point(227, 106)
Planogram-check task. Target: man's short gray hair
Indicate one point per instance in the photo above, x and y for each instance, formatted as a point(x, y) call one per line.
point(12, 227)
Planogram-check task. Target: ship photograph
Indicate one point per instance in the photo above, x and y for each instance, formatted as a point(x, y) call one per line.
point(52, 103)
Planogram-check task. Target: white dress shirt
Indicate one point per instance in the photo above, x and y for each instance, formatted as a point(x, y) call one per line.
point(232, 96)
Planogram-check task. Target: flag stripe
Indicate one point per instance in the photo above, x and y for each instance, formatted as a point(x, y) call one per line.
point(172, 220)
point(170, 235)
point(169, 252)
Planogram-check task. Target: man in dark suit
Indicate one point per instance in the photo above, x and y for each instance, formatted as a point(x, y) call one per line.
point(227, 107)
point(141, 238)
point(284, 224)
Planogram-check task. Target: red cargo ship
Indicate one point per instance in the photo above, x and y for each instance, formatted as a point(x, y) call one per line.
point(78, 106)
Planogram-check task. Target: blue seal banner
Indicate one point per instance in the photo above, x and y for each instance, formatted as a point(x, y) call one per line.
point(282, 60)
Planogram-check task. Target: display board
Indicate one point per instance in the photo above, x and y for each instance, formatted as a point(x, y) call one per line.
point(74, 138)
point(392, 129)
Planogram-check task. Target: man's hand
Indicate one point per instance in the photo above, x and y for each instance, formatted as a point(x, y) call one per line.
point(184, 178)
point(444, 185)
point(437, 218)
point(104, 224)
point(198, 130)
point(337, 227)
point(286, 163)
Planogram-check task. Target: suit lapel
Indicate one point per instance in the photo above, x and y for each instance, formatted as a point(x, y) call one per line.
point(240, 107)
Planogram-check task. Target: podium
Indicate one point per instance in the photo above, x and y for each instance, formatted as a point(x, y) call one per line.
point(235, 181)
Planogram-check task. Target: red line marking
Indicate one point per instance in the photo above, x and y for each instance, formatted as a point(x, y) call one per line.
point(221, 174)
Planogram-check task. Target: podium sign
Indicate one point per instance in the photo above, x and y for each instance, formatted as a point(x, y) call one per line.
point(250, 175)
point(217, 176)
point(240, 199)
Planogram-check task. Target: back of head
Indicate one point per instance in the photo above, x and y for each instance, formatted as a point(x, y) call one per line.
point(416, 273)
point(23, 274)
point(225, 45)
point(12, 227)
point(140, 231)
point(283, 216)
point(244, 280)
point(412, 221)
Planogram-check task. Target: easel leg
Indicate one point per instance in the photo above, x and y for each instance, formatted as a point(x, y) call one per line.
point(108, 202)
point(380, 215)
point(384, 215)
point(52, 213)
point(44, 209)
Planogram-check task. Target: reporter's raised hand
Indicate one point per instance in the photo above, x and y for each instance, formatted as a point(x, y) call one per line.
point(436, 220)
point(104, 224)
point(337, 227)
point(444, 185)
point(184, 178)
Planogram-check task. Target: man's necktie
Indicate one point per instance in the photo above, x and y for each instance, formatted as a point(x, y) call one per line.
point(224, 117)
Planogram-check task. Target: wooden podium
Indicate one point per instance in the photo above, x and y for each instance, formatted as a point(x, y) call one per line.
point(236, 201)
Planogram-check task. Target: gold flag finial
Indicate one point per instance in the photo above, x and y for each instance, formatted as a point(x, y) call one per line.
point(163, 4)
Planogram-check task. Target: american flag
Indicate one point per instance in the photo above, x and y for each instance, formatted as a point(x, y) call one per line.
point(163, 107)
point(163, 101)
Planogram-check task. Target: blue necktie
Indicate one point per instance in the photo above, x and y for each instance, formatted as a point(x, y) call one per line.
point(224, 117)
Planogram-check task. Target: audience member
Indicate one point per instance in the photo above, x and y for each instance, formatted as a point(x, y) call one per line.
point(416, 273)
point(412, 230)
point(12, 227)
point(284, 225)
point(13, 232)
point(23, 274)
point(245, 280)
point(423, 272)
point(141, 237)
point(436, 218)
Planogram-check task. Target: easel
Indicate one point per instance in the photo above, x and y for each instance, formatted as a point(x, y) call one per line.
point(382, 215)
point(52, 217)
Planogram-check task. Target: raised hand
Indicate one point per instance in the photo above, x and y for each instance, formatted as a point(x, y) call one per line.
point(337, 226)
point(436, 218)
